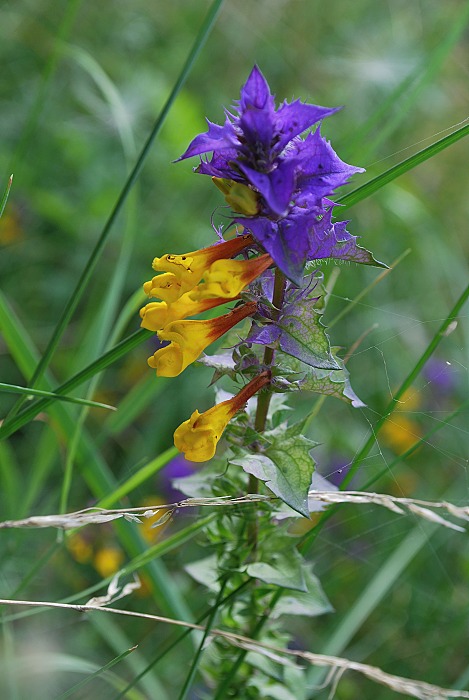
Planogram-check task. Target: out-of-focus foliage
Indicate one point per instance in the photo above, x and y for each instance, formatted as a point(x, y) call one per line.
point(81, 86)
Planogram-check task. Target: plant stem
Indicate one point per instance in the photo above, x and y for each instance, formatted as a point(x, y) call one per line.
point(263, 402)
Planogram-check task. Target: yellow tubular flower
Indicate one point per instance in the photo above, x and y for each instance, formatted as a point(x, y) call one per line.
point(157, 314)
point(241, 198)
point(198, 436)
point(166, 287)
point(187, 270)
point(226, 278)
point(188, 339)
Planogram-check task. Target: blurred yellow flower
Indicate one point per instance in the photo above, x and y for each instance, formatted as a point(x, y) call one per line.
point(108, 560)
point(80, 549)
point(10, 228)
point(241, 198)
point(400, 433)
point(149, 533)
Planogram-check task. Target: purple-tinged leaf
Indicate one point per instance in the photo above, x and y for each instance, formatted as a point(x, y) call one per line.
point(303, 335)
point(334, 383)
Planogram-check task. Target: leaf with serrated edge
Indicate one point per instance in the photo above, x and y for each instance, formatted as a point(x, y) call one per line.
point(287, 468)
point(303, 335)
point(328, 382)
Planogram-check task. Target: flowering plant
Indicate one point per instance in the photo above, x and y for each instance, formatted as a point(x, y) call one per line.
point(278, 185)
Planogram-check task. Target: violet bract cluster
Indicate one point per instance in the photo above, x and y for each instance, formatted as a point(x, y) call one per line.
point(279, 183)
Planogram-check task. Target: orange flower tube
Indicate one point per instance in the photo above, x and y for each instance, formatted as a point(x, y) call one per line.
point(184, 272)
point(198, 437)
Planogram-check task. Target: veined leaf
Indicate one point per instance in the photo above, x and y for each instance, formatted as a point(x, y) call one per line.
point(287, 469)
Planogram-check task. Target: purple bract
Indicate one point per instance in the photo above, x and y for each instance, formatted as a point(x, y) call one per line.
point(260, 146)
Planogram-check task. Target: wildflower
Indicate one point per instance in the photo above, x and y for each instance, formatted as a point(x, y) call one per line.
point(181, 273)
point(198, 437)
point(242, 199)
point(227, 278)
point(158, 314)
point(108, 560)
point(400, 433)
point(188, 339)
point(278, 181)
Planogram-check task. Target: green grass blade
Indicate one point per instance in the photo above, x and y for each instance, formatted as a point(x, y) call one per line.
point(418, 443)
point(113, 635)
point(10, 480)
point(180, 637)
point(71, 10)
point(96, 674)
point(369, 188)
point(368, 288)
point(4, 199)
point(195, 661)
point(408, 381)
point(91, 264)
point(151, 553)
point(137, 479)
point(14, 389)
point(447, 40)
point(94, 469)
point(118, 351)
point(134, 403)
point(373, 595)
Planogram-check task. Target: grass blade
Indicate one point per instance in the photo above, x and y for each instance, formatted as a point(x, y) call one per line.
point(14, 389)
point(397, 111)
point(11, 425)
point(408, 381)
point(137, 479)
point(85, 277)
point(5, 195)
point(369, 188)
point(97, 673)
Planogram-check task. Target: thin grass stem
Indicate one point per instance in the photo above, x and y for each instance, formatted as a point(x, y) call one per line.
point(85, 277)
point(195, 661)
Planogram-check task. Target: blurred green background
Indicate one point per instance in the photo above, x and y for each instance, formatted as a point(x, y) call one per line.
point(80, 88)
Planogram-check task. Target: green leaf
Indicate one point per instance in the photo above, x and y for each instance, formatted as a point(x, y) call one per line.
point(334, 382)
point(205, 571)
point(303, 335)
point(287, 469)
point(310, 604)
point(377, 183)
point(284, 569)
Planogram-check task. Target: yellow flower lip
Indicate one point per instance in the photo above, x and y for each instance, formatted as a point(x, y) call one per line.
point(157, 314)
point(227, 278)
point(188, 339)
point(181, 273)
point(198, 437)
